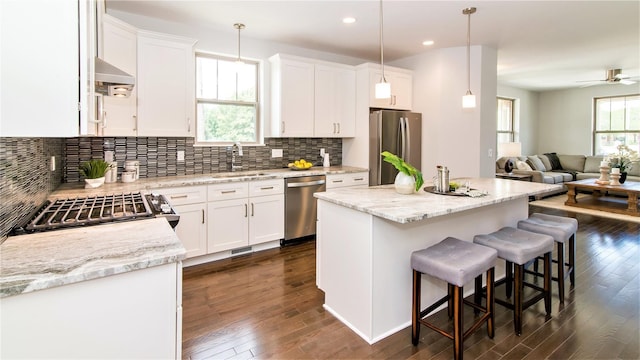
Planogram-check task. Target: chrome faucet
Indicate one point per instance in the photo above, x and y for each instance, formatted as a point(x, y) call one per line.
point(236, 153)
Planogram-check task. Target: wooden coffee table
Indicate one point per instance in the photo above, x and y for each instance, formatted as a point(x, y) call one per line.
point(605, 197)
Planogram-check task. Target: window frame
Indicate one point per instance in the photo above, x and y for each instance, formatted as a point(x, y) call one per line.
point(595, 118)
point(512, 122)
point(259, 139)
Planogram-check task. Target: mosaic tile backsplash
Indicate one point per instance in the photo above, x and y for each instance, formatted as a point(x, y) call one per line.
point(158, 156)
point(25, 177)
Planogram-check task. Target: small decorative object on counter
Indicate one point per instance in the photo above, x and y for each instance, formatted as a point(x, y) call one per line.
point(93, 172)
point(128, 176)
point(325, 161)
point(133, 166)
point(409, 179)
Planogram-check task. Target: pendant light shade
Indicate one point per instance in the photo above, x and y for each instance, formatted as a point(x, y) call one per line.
point(469, 100)
point(383, 88)
point(239, 27)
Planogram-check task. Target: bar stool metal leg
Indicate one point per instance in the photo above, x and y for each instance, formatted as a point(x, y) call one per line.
point(458, 321)
point(572, 259)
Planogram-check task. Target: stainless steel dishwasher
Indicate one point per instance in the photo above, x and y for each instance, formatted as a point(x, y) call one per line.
point(300, 205)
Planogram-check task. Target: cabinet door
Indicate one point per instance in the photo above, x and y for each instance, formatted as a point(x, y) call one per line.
point(39, 68)
point(192, 228)
point(335, 99)
point(401, 90)
point(293, 98)
point(266, 218)
point(119, 48)
point(227, 225)
point(166, 85)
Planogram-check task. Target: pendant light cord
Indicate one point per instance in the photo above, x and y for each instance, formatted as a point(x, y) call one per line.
point(239, 27)
point(468, 52)
point(381, 44)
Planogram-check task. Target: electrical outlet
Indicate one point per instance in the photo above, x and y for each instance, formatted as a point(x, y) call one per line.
point(180, 155)
point(108, 156)
point(490, 153)
point(276, 153)
point(322, 152)
point(52, 165)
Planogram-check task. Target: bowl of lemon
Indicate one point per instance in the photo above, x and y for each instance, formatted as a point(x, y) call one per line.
point(301, 164)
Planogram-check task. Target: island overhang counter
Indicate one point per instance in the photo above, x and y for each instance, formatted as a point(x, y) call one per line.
point(365, 238)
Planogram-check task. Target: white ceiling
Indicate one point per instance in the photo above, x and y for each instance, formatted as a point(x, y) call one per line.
point(542, 45)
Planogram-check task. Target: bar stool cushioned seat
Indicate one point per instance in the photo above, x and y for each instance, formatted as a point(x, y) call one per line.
point(563, 230)
point(517, 247)
point(456, 262)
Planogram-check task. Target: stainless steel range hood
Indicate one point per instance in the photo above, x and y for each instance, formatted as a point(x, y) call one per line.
point(111, 81)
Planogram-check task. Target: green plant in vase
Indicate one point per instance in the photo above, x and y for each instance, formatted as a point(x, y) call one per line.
point(94, 169)
point(404, 168)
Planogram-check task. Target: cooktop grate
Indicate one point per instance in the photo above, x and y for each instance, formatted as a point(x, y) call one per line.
point(90, 210)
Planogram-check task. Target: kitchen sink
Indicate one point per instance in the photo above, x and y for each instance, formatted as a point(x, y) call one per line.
point(238, 174)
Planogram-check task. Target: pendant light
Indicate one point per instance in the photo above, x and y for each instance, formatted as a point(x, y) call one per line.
point(383, 88)
point(469, 100)
point(239, 27)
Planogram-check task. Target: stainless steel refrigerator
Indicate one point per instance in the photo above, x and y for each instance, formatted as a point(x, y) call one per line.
point(398, 132)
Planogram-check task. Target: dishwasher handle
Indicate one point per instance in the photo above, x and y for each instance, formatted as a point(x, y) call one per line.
point(305, 184)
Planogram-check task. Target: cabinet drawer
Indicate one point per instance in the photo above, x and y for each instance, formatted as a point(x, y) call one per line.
point(227, 191)
point(266, 187)
point(184, 195)
point(345, 180)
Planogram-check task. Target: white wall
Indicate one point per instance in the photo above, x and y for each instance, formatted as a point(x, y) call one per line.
point(525, 116)
point(565, 117)
point(452, 136)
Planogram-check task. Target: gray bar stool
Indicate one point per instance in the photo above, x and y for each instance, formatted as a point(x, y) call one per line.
point(563, 230)
point(517, 247)
point(456, 262)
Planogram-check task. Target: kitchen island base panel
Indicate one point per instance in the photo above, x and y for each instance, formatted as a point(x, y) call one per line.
point(364, 261)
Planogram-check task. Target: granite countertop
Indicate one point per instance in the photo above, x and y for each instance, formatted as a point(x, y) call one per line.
point(384, 202)
point(49, 259)
point(72, 190)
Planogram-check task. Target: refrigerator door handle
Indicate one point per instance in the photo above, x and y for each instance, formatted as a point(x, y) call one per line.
point(379, 157)
point(403, 135)
point(407, 135)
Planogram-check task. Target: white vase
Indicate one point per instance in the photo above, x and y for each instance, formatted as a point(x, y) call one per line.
point(93, 183)
point(405, 184)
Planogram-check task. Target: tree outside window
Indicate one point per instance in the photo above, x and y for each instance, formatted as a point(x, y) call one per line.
point(227, 100)
point(616, 122)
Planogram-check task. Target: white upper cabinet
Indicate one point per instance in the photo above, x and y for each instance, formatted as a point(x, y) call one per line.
point(401, 81)
point(119, 48)
point(43, 55)
point(166, 85)
point(335, 101)
point(311, 98)
point(292, 94)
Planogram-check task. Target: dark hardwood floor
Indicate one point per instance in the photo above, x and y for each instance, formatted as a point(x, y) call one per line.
point(266, 305)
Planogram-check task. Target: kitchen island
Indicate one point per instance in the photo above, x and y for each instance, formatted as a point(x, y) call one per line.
point(365, 238)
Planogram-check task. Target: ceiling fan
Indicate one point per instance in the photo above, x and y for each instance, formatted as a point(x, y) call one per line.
point(613, 76)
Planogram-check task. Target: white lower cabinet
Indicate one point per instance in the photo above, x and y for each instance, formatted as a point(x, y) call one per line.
point(244, 214)
point(191, 204)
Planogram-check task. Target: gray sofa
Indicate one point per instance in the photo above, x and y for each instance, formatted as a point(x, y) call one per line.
point(570, 167)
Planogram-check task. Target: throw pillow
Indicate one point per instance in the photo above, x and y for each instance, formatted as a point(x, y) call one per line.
point(555, 161)
point(521, 165)
point(535, 163)
point(545, 160)
point(572, 162)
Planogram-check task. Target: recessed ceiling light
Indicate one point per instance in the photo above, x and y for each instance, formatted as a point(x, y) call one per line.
point(428, 42)
point(349, 20)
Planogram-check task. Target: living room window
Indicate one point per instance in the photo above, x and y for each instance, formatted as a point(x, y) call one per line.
point(226, 100)
point(616, 122)
point(505, 126)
